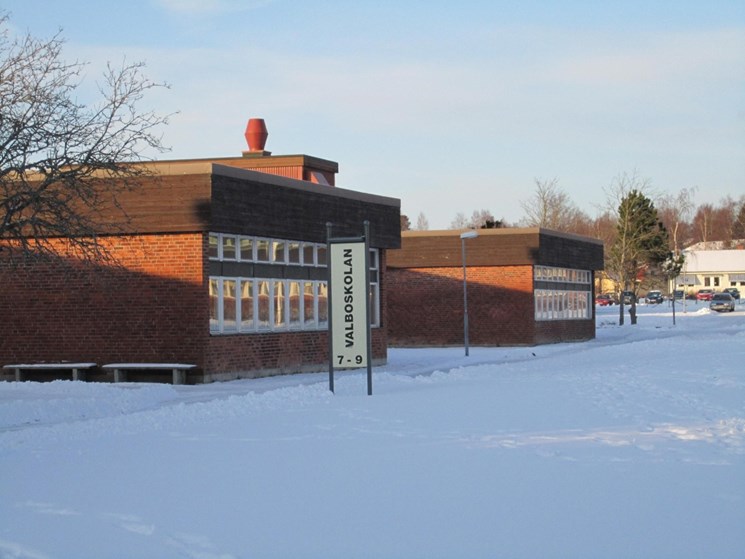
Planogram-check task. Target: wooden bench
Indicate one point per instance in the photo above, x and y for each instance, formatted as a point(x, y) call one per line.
point(78, 369)
point(120, 370)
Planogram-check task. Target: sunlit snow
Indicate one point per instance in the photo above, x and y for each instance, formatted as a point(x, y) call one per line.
point(630, 445)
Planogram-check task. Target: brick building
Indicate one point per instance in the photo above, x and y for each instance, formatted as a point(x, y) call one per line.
point(222, 265)
point(524, 287)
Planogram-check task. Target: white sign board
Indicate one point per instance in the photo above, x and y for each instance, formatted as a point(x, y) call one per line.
point(349, 305)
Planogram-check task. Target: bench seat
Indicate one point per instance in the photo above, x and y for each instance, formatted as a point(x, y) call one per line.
point(120, 370)
point(78, 369)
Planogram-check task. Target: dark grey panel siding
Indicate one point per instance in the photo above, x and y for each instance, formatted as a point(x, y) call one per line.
point(269, 210)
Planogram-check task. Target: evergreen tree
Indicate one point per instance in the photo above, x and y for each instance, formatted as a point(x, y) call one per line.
point(641, 241)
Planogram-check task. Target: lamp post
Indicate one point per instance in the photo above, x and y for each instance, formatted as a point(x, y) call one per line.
point(472, 234)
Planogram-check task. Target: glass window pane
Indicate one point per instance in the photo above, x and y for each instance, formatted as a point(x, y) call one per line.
point(247, 248)
point(262, 250)
point(321, 255)
point(228, 247)
point(280, 304)
point(295, 308)
point(278, 252)
point(247, 305)
point(214, 305)
point(214, 240)
point(228, 305)
point(309, 307)
point(374, 305)
point(262, 289)
point(308, 254)
point(293, 252)
point(323, 306)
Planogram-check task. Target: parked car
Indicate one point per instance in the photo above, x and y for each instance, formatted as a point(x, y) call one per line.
point(678, 294)
point(654, 298)
point(704, 294)
point(628, 297)
point(604, 299)
point(722, 302)
point(734, 292)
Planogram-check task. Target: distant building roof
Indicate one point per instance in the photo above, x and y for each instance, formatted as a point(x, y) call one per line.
point(717, 245)
point(721, 261)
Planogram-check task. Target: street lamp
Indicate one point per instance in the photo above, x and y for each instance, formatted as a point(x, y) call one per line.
point(472, 234)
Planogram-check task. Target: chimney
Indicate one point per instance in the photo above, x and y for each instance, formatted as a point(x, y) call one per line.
point(256, 135)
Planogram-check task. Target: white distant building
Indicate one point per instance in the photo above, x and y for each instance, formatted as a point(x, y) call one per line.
point(712, 269)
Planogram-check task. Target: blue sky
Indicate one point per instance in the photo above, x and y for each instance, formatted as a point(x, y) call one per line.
point(449, 106)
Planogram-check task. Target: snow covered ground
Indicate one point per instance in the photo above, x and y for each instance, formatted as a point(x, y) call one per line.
point(631, 445)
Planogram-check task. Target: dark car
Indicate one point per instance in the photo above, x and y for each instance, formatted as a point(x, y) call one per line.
point(654, 298)
point(734, 292)
point(704, 294)
point(722, 302)
point(628, 297)
point(604, 300)
point(678, 294)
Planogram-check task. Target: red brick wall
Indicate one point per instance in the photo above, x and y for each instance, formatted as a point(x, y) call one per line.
point(151, 307)
point(256, 355)
point(553, 331)
point(426, 308)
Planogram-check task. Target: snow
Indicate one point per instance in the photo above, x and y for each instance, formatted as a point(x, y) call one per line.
point(630, 445)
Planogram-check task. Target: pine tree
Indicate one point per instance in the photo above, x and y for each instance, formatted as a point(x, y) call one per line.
point(641, 241)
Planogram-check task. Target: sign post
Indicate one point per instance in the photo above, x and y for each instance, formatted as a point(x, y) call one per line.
point(350, 340)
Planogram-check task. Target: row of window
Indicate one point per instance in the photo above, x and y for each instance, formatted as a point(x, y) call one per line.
point(555, 304)
point(257, 249)
point(715, 281)
point(258, 305)
point(565, 275)
point(251, 305)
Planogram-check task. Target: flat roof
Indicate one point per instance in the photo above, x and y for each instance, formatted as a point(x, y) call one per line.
point(502, 231)
point(697, 261)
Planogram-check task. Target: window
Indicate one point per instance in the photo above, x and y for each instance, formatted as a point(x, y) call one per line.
point(247, 249)
point(214, 304)
point(213, 248)
point(229, 251)
point(279, 254)
point(248, 310)
point(263, 304)
point(562, 293)
point(293, 252)
point(262, 250)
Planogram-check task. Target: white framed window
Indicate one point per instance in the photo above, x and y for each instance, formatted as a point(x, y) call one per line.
point(266, 304)
point(214, 246)
point(229, 247)
point(279, 252)
point(246, 252)
point(294, 253)
point(568, 299)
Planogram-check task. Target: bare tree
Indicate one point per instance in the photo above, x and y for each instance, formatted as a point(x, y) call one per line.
point(422, 224)
point(551, 207)
point(63, 162)
point(675, 212)
point(738, 227)
point(714, 223)
point(480, 218)
point(459, 222)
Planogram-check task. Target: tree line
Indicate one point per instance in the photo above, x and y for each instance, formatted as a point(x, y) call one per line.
point(551, 207)
point(643, 233)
